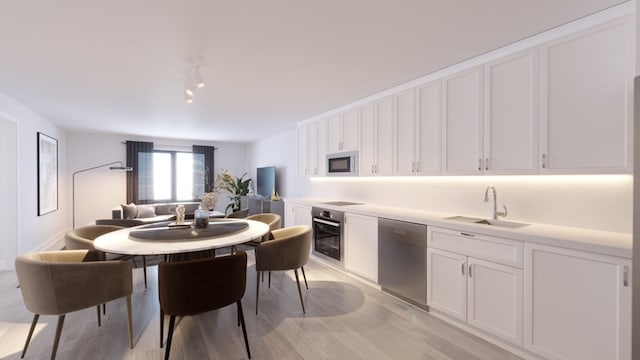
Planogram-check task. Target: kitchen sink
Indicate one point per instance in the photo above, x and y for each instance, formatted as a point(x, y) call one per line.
point(499, 223)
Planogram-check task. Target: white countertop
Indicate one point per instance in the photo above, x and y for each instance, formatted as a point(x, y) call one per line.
point(596, 241)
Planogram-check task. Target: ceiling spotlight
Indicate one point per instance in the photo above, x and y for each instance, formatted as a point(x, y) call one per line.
point(188, 98)
point(197, 77)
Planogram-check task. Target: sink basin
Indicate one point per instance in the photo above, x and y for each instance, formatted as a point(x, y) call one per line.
point(499, 223)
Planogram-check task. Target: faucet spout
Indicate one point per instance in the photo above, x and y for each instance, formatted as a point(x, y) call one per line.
point(494, 210)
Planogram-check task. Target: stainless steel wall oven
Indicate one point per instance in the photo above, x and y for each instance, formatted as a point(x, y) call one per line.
point(328, 234)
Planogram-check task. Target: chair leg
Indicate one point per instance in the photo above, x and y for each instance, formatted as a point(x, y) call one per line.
point(244, 329)
point(161, 328)
point(299, 291)
point(144, 270)
point(99, 322)
point(262, 276)
point(172, 322)
point(269, 280)
point(305, 278)
point(257, 289)
point(33, 326)
point(129, 321)
point(56, 340)
point(104, 309)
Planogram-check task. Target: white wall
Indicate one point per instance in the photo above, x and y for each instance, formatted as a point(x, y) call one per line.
point(279, 151)
point(32, 232)
point(8, 190)
point(100, 190)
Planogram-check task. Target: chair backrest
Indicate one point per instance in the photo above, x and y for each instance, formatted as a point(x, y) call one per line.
point(197, 286)
point(82, 237)
point(58, 282)
point(273, 220)
point(240, 214)
point(288, 250)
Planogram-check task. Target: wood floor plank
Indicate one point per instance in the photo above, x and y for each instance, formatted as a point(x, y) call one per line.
point(345, 319)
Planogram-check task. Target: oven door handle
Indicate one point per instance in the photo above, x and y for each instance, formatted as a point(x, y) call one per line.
point(330, 223)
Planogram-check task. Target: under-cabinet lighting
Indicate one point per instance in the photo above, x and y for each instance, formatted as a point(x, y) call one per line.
point(549, 179)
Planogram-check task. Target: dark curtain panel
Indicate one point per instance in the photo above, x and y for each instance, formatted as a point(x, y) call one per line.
point(139, 181)
point(207, 169)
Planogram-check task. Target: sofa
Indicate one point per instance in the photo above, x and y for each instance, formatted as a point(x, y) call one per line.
point(128, 215)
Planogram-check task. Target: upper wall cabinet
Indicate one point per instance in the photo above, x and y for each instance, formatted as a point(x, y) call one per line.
point(343, 132)
point(418, 131)
point(586, 100)
point(376, 143)
point(511, 114)
point(302, 136)
point(462, 120)
point(311, 148)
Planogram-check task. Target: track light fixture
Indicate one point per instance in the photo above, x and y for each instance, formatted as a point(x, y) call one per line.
point(193, 80)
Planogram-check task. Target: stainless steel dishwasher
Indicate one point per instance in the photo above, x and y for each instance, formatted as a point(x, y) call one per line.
point(402, 260)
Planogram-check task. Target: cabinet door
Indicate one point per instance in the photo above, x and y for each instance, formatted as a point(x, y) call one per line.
point(384, 137)
point(577, 304)
point(511, 114)
point(361, 246)
point(350, 130)
point(447, 283)
point(407, 135)
point(322, 147)
point(586, 100)
point(463, 123)
point(297, 215)
point(495, 299)
point(367, 140)
point(334, 134)
point(429, 129)
point(312, 149)
point(303, 150)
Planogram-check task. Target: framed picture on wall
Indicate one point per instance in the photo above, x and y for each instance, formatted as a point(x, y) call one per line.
point(47, 174)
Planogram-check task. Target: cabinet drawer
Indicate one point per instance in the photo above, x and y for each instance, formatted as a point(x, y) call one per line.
point(499, 250)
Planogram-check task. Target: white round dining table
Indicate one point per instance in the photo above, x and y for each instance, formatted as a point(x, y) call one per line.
point(123, 243)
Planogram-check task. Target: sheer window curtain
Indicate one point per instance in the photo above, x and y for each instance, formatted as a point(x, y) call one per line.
point(203, 166)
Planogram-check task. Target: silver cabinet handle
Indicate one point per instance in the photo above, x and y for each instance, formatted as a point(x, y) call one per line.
point(544, 161)
point(625, 276)
point(470, 268)
point(466, 234)
point(418, 167)
point(462, 268)
point(413, 167)
point(486, 164)
point(479, 164)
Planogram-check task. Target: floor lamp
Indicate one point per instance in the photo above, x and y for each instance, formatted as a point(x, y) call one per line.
point(121, 167)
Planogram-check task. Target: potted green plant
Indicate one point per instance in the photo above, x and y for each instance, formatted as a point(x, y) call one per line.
point(235, 186)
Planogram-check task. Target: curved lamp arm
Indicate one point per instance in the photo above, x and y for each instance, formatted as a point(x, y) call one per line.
point(73, 183)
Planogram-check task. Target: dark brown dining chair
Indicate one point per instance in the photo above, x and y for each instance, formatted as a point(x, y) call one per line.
point(83, 237)
point(60, 282)
point(197, 286)
point(240, 214)
point(288, 250)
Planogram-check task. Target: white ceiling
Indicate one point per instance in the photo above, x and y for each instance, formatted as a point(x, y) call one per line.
point(120, 65)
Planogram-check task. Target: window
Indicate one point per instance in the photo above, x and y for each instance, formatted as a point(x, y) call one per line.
point(169, 176)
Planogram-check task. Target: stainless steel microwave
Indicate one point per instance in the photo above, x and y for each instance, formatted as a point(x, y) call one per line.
point(342, 164)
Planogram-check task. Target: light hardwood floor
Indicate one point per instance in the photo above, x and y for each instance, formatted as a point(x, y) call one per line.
point(346, 319)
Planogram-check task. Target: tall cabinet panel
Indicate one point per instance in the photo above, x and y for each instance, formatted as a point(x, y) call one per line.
point(429, 129)
point(407, 135)
point(367, 140)
point(586, 102)
point(303, 150)
point(462, 111)
point(334, 134)
point(385, 134)
point(511, 114)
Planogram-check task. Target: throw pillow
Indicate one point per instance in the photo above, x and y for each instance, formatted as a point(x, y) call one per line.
point(129, 211)
point(146, 211)
point(164, 209)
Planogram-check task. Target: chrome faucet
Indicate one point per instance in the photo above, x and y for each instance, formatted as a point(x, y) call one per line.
point(494, 213)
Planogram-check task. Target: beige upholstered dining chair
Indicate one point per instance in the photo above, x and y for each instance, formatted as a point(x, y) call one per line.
point(196, 286)
point(288, 250)
point(273, 220)
point(60, 282)
point(83, 237)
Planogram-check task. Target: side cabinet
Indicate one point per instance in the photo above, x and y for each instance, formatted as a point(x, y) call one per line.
point(361, 246)
point(477, 280)
point(295, 214)
point(577, 304)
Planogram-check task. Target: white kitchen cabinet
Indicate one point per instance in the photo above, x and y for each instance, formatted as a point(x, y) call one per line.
point(484, 294)
point(511, 114)
point(343, 132)
point(577, 304)
point(586, 100)
point(418, 141)
point(296, 214)
point(463, 122)
point(361, 246)
point(377, 133)
point(302, 136)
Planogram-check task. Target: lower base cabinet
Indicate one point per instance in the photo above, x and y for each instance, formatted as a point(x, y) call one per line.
point(295, 214)
point(577, 304)
point(361, 246)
